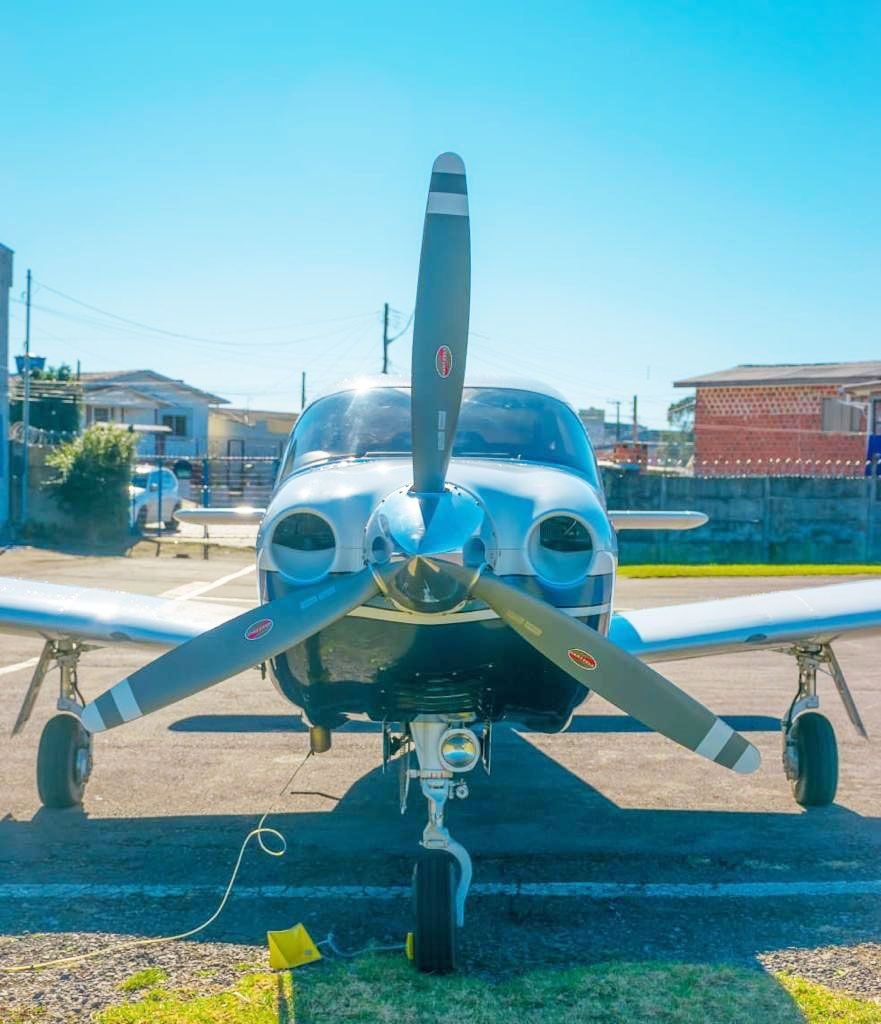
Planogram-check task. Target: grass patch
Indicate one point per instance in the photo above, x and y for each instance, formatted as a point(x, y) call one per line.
point(821, 1005)
point(380, 989)
point(641, 572)
point(149, 977)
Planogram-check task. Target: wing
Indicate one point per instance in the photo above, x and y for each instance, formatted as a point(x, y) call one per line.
point(103, 616)
point(746, 623)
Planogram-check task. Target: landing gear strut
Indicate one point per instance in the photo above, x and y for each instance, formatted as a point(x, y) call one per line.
point(442, 875)
point(64, 757)
point(810, 750)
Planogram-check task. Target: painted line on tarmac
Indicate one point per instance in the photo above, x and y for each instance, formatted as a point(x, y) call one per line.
point(9, 669)
point(187, 591)
point(568, 890)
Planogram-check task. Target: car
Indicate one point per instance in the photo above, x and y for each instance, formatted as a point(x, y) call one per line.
point(149, 485)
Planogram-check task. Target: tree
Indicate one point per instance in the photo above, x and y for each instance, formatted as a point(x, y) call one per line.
point(94, 474)
point(680, 415)
point(677, 444)
point(55, 400)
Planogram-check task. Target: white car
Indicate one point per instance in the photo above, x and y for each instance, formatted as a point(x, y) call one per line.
point(148, 484)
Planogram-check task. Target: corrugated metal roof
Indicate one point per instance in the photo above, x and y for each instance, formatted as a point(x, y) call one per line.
point(785, 373)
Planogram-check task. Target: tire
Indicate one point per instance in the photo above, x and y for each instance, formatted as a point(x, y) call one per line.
point(434, 900)
point(62, 770)
point(817, 749)
point(141, 521)
point(172, 526)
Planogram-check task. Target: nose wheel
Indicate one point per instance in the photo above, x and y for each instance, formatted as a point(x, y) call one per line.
point(434, 905)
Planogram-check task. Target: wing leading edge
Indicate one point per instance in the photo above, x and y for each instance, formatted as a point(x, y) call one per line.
point(54, 611)
point(732, 624)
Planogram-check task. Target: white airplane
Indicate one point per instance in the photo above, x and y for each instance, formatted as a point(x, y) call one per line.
point(439, 557)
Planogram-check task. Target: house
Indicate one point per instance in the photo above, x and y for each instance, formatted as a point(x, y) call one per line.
point(248, 432)
point(792, 417)
point(146, 398)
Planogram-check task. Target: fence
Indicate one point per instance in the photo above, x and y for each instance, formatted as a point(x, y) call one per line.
point(777, 519)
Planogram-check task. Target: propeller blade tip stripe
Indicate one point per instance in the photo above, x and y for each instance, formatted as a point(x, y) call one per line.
point(748, 761)
point(711, 745)
point(91, 720)
point(447, 204)
point(126, 704)
point(449, 163)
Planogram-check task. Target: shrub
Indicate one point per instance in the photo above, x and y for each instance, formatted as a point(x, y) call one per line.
point(94, 473)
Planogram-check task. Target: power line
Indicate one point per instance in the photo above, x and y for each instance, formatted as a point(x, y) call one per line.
point(180, 335)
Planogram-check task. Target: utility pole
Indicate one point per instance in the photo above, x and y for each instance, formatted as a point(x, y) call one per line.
point(385, 338)
point(617, 403)
point(635, 422)
point(302, 390)
point(26, 418)
point(6, 255)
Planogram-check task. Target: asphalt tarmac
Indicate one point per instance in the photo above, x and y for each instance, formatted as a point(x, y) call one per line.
point(659, 838)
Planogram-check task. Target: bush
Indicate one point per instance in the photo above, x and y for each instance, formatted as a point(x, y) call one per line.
point(94, 476)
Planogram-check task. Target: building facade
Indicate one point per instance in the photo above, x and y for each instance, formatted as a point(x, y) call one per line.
point(794, 418)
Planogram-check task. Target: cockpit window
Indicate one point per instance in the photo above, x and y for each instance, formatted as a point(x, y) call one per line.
point(495, 423)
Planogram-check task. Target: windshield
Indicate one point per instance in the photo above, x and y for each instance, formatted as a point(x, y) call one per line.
point(495, 423)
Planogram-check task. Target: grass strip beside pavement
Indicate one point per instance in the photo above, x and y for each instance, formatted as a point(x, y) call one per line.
point(383, 988)
point(641, 572)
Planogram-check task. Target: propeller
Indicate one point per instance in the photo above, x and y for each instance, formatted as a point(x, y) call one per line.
point(440, 343)
point(440, 324)
point(611, 672)
point(228, 649)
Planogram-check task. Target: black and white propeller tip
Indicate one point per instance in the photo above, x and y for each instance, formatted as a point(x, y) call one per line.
point(440, 323)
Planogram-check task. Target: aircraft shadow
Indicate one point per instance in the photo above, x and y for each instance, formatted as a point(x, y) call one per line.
point(579, 724)
point(531, 821)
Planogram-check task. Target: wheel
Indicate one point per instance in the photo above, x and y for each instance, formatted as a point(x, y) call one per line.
point(172, 526)
point(817, 752)
point(434, 898)
point(63, 762)
point(141, 521)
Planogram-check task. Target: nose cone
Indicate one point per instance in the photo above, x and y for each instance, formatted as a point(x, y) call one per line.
point(409, 532)
point(439, 525)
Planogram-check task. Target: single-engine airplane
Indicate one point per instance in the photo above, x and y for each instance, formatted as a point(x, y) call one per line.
point(438, 557)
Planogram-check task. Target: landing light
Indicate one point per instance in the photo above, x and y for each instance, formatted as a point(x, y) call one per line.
point(459, 750)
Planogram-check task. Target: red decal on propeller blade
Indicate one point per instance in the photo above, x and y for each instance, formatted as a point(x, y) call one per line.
point(582, 659)
point(258, 629)
point(443, 361)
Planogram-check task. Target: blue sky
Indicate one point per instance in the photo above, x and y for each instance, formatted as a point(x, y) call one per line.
point(657, 189)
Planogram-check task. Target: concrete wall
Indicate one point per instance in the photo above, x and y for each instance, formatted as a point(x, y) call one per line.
point(756, 519)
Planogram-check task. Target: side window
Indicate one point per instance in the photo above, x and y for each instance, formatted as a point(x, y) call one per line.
point(168, 480)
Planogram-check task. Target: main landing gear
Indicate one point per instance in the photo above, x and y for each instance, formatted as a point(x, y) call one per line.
point(445, 750)
point(810, 750)
point(64, 757)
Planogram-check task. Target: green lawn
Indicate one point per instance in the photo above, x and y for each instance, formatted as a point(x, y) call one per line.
point(380, 989)
point(646, 571)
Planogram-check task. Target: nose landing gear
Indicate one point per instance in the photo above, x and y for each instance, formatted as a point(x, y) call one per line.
point(442, 875)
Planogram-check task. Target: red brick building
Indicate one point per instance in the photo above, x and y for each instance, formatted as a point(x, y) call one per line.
point(808, 418)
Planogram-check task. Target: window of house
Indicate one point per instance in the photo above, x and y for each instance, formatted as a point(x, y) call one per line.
point(177, 423)
point(101, 414)
point(841, 417)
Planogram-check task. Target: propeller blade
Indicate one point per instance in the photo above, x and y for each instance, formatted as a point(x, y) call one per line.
point(611, 672)
point(440, 324)
point(228, 649)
